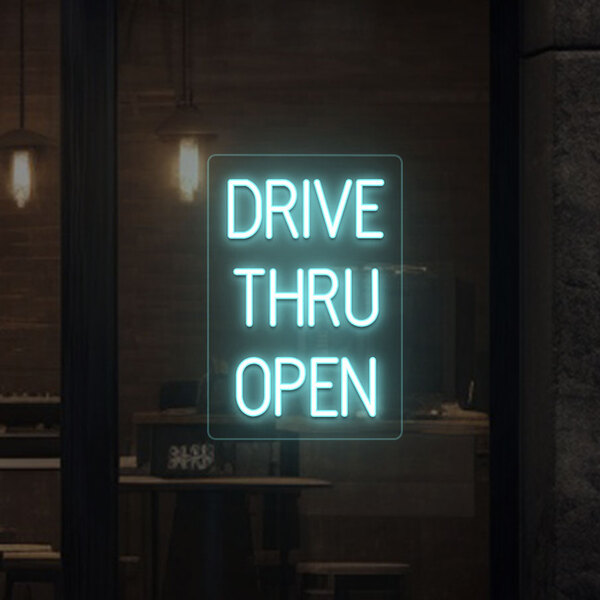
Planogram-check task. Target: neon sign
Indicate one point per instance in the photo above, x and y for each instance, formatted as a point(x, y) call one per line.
point(304, 320)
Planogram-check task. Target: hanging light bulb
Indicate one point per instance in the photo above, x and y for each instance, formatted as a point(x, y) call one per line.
point(22, 147)
point(22, 144)
point(186, 125)
point(189, 168)
point(21, 177)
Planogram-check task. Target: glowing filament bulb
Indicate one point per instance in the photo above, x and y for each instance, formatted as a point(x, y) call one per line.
point(21, 177)
point(189, 169)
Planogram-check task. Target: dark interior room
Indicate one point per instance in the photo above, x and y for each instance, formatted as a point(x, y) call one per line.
point(409, 79)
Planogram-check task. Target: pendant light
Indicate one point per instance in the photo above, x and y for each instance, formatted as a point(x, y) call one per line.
point(22, 144)
point(186, 125)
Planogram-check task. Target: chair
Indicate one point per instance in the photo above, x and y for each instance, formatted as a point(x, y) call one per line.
point(31, 566)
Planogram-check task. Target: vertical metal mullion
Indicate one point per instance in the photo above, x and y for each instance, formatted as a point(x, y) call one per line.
point(504, 298)
point(89, 299)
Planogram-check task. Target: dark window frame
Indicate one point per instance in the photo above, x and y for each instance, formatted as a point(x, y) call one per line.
point(89, 447)
point(504, 298)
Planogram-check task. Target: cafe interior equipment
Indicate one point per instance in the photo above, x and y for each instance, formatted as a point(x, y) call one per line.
point(29, 426)
point(186, 124)
point(22, 146)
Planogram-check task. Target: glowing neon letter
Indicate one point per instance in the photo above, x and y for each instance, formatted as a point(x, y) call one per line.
point(333, 225)
point(249, 273)
point(369, 401)
point(274, 295)
point(316, 384)
point(283, 209)
point(280, 361)
point(239, 386)
point(231, 232)
point(374, 300)
point(363, 208)
point(326, 297)
point(306, 209)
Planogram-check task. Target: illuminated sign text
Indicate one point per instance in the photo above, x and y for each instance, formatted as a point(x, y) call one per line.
point(301, 310)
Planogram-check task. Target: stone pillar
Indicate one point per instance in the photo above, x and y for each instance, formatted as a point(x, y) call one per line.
point(560, 434)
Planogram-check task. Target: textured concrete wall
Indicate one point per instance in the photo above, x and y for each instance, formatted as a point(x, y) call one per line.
point(561, 284)
point(560, 24)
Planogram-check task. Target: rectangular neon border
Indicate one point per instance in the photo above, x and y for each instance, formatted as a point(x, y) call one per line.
point(300, 439)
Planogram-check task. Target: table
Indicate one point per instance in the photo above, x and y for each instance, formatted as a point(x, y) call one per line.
point(29, 464)
point(257, 484)
point(207, 510)
point(52, 464)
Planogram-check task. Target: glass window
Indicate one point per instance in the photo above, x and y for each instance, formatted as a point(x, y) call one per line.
point(246, 511)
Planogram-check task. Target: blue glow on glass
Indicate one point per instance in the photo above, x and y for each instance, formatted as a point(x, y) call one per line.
point(231, 232)
point(345, 375)
point(239, 386)
point(362, 208)
point(274, 295)
point(370, 400)
point(316, 385)
point(280, 386)
point(284, 209)
point(249, 274)
point(325, 297)
point(374, 299)
point(333, 225)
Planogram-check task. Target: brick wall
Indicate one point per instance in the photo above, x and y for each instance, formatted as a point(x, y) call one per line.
point(408, 78)
point(30, 258)
point(29, 238)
